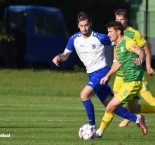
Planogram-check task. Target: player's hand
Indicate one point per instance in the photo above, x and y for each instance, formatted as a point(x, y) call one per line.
point(56, 60)
point(103, 80)
point(150, 71)
point(138, 61)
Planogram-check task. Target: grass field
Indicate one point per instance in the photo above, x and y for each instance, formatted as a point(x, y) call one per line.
point(42, 107)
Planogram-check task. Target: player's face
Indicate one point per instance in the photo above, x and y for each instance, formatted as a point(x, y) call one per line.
point(121, 19)
point(85, 27)
point(112, 33)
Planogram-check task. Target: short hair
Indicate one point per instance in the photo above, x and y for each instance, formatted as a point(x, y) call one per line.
point(116, 25)
point(123, 13)
point(83, 16)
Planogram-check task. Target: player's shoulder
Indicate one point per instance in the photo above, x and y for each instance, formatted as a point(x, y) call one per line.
point(133, 30)
point(103, 38)
point(78, 34)
point(129, 40)
point(99, 35)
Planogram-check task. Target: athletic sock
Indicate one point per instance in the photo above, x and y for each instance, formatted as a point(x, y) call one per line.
point(106, 120)
point(138, 118)
point(145, 108)
point(89, 107)
point(124, 113)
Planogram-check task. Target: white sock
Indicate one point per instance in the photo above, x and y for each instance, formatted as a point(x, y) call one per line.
point(138, 118)
point(94, 126)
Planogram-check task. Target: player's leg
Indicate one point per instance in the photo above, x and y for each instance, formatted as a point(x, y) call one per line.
point(137, 108)
point(93, 86)
point(134, 107)
point(126, 94)
point(118, 82)
point(106, 96)
point(148, 97)
point(121, 111)
point(85, 96)
point(108, 116)
point(142, 108)
point(146, 94)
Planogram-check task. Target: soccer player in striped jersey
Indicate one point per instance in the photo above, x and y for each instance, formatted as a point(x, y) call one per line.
point(122, 16)
point(90, 46)
point(129, 60)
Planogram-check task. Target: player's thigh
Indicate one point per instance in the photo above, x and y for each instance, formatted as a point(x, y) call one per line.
point(113, 105)
point(128, 91)
point(117, 84)
point(145, 85)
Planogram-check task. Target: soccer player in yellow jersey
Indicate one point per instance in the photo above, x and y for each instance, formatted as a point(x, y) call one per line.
point(122, 16)
point(129, 60)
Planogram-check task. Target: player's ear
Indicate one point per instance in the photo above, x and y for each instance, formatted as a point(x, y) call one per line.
point(118, 32)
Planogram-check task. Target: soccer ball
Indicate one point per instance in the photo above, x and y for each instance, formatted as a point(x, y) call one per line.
point(86, 132)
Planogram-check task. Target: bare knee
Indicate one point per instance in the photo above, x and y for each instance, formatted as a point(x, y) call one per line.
point(83, 96)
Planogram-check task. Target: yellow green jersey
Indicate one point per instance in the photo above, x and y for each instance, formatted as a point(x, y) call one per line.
point(135, 35)
point(129, 69)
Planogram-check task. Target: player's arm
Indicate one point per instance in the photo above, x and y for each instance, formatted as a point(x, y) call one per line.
point(114, 54)
point(115, 67)
point(148, 60)
point(114, 57)
point(61, 57)
point(140, 52)
point(143, 44)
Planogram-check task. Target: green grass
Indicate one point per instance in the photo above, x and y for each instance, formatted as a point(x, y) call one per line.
point(44, 108)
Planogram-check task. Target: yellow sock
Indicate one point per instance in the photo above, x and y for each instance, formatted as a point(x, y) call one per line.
point(148, 97)
point(145, 108)
point(107, 118)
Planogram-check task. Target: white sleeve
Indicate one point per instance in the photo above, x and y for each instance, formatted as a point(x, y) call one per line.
point(67, 50)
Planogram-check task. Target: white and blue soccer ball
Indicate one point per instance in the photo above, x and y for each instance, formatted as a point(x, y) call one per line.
point(86, 132)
